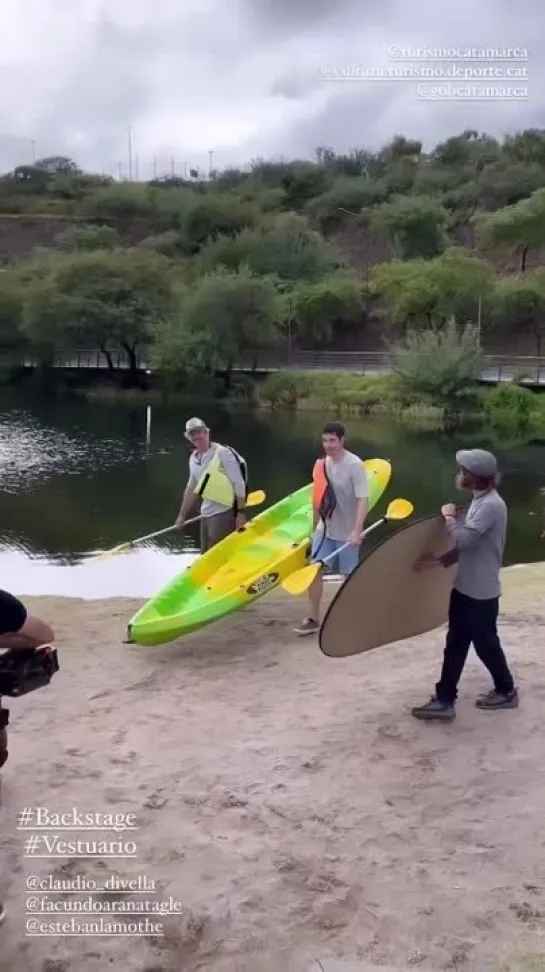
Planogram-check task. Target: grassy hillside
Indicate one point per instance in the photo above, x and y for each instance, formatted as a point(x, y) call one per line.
point(340, 251)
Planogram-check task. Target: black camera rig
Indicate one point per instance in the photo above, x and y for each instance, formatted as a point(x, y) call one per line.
point(25, 670)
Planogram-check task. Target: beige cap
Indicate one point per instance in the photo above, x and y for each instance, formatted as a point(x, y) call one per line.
point(193, 425)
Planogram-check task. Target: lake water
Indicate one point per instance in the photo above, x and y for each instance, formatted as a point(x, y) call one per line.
point(80, 477)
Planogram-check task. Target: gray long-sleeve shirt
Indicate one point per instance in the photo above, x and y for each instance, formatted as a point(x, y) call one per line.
point(479, 544)
point(198, 463)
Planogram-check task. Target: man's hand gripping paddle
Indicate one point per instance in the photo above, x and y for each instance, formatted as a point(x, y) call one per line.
point(300, 580)
point(254, 499)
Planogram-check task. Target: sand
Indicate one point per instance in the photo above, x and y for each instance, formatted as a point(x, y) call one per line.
point(288, 801)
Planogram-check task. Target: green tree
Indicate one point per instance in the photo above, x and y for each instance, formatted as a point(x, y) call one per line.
point(527, 146)
point(518, 228)
point(518, 304)
point(469, 148)
point(224, 316)
point(356, 163)
point(121, 202)
point(216, 215)
point(431, 291)
point(321, 311)
point(415, 226)
point(27, 179)
point(401, 148)
point(303, 181)
point(109, 301)
point(441, 367)
point(500, 185)
point(55, 164)
point(51, 322)
point(346, 194)
point(287, 248)
point(12, 294)
point(300, 180)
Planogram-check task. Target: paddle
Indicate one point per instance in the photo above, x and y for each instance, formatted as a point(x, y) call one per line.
point(300, 580)
point(253, 499)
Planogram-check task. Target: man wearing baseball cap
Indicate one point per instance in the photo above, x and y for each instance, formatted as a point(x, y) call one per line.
point(478, 545)
point(218, 478)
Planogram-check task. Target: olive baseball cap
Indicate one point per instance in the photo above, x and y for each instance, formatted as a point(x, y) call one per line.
point(477, 462)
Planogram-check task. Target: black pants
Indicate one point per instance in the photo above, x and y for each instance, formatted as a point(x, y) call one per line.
point(470, 620)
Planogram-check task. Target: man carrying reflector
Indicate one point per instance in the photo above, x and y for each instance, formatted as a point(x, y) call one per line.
point(479, 541)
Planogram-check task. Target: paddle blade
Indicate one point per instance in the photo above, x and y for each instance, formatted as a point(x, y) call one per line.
point(256, 498)
point(399, 509)
point(109, 553)
point(300, 580)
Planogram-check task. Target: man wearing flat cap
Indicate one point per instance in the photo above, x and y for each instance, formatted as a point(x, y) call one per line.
point(478, 545)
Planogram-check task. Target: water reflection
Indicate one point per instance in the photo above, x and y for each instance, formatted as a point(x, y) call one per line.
point(138, 573)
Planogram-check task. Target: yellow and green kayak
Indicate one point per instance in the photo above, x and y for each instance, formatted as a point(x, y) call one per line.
point(240, 569)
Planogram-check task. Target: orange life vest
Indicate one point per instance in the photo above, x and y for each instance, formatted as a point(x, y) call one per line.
point(323, 497)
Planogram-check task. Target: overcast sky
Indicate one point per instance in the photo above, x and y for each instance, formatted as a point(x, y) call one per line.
point(245, 78)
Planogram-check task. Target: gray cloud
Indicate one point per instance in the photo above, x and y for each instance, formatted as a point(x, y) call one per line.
point(241, 79)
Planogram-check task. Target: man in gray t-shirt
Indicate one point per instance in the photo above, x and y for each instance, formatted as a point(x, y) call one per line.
point(478, 545)
point(340, 509)
point(223, 496)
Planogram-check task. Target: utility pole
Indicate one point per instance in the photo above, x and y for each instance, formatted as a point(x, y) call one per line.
point(129, 136)
point(210, 156)
point(33, 150)
point(172, 166)
point(154, 167)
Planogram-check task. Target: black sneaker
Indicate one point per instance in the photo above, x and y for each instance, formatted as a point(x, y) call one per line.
point(434, 709)
point(495, 700)
point(307, 627)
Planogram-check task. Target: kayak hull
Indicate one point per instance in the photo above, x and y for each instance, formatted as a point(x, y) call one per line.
point(240, 569)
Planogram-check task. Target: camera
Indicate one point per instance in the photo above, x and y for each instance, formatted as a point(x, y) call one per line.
point(25, 670)
point(22, 671)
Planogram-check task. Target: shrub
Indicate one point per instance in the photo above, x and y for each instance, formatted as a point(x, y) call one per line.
point(347, 193)
point(441, 367)
point(334, 391)
point(88, 238)
point(284, 389)
point(510, 405)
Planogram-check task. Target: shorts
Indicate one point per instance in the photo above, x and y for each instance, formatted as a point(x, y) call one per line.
point(216, 528)
point(13, 614)
point(344, 563)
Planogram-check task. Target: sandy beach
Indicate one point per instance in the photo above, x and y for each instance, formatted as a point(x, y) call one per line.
point(287, 801)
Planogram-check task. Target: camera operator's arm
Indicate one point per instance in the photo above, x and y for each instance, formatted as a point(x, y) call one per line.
point(21, 635)
point(18, 629)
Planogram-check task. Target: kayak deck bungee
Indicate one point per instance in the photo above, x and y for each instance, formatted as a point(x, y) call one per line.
point(241, 568)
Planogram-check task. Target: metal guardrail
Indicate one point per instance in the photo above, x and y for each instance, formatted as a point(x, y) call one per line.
point(497, 368)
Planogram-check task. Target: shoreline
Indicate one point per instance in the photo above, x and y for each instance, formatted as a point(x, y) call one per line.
point(279, 794)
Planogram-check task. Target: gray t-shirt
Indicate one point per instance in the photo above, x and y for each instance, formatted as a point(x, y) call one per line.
point(198, 463)
point(348, 479)
point(480, 542)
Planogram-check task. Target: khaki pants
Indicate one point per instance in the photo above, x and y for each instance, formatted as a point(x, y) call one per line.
point(216, 528)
